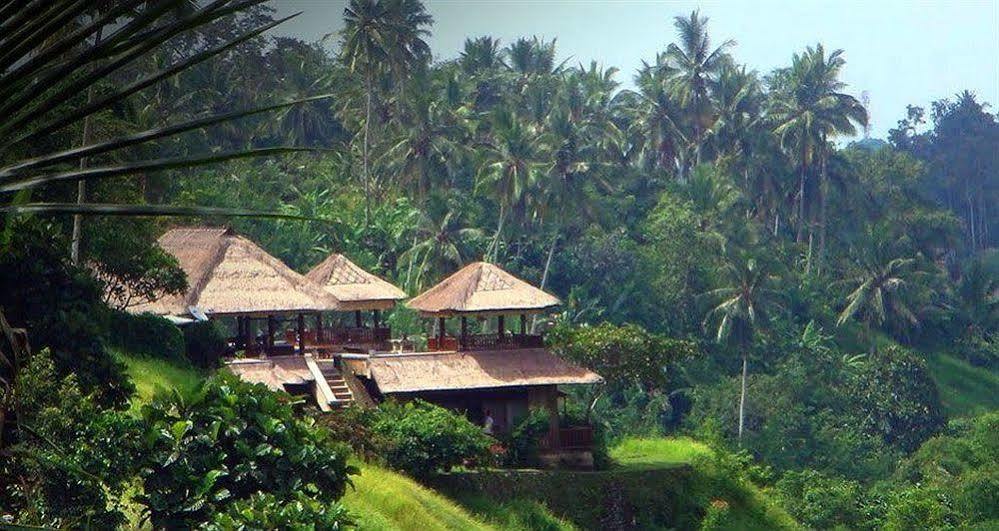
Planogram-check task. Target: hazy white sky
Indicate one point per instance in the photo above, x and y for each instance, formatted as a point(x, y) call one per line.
point(901, 52)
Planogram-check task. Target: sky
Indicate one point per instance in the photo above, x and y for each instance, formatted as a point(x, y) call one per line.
point(900, 52)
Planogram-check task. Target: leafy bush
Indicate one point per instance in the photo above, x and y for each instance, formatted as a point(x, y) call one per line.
point(204, 343)
point(72, 471)
point(60, 306)
point(522, 442)
point(232, 440)
point(146, 334)
point(262, 512)
point(351, 426)
point(820, 501)
point(426, 439)
point(898, 399)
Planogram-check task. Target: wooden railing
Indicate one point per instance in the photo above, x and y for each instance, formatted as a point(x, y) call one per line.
point(342, 336)
point(485, 342)
point(571, 438)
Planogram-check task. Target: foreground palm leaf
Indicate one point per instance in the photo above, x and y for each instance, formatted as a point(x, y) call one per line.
point(46, 60)
point(44, 66)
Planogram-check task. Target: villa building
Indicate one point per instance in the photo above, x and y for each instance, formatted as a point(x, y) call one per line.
point(472, 361)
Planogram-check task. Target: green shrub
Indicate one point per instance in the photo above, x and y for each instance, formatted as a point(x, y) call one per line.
point(522, 442)
point(898, 399)
point(262, 512)
point(230, 441)
point(145, 334)
point(60, 305)
point(426, 439)
point(351, 426)
point(204, 343)
point(820, 501)
point(74, 467)
point(919, 508)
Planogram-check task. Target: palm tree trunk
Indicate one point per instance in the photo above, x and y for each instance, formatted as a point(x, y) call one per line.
point(823, 206)
point(801, 198)
point(742, 395)
point(544, 275)
point(494, 248)
point(367, 130)
point(81, 185)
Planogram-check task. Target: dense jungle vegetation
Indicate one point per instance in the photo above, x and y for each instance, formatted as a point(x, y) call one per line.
point(734, 256)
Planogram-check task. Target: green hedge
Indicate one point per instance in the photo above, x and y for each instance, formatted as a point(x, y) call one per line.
point(145, 334)
point(204, 343)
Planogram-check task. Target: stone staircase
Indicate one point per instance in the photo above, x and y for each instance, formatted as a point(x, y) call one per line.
point(341, 392)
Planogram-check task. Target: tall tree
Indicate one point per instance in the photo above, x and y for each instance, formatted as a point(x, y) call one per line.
point(746, 299)
point(379, 35)
point(809, 110)
point(692, 65)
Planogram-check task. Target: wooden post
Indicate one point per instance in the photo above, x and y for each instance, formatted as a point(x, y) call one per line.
point(464, 333)
point(500, 328)
point(523, 324)
point(357, 319)
point(247, 343)
point(270, 331)
point(301, 333)
point(440, 331)
point(319, 327)
point(378, 318)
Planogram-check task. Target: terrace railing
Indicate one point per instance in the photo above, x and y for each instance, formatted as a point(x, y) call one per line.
point(485, 342)
point(579, 438)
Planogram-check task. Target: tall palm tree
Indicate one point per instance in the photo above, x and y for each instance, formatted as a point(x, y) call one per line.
point(440, 242)
point(511, 166)
point(879, 281)
point(808, 111)
point(691, 66)
point(481, 54)
point(746, 299)
point(382, 34)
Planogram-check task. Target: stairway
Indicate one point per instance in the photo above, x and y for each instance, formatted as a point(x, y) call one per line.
point(336, 383)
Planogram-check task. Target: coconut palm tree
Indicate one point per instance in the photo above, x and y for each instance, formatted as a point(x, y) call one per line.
point(745, 301)
point(512, 164)
point(808, 111)
point(691, 66)
point(440, 242)
point(481, 54)
point(879, 282)
point(380, 35)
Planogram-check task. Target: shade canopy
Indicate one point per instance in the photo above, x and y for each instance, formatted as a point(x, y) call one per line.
point(482, 288)
point(353, 287)
point(451, 371)
point(230, 275)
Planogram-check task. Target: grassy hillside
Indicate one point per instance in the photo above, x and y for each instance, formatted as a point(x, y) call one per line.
point(151, 374)
point(383, 500)
point(965, 390)
point(658, 483)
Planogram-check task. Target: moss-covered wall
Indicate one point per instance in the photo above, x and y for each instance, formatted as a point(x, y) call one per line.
point(615, 499)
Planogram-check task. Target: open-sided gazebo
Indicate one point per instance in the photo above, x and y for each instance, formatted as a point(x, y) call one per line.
point(358, 291)
point(482, 290)
point(230, 276)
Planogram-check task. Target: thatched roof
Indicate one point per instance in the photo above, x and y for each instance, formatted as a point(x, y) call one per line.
point(355, 288)
point(273, 372)
point(482, 288)
point(228, 274)
point(449, 371)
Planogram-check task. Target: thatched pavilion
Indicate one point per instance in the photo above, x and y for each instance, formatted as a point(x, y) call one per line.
point(482, 290)
point(498, 375)
point(356, 290)
point(230, 276)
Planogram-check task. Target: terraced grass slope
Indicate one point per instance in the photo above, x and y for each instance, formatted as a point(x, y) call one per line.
point(965, 390)
point(657, 483)
point(152, 374)
point(383, 500)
